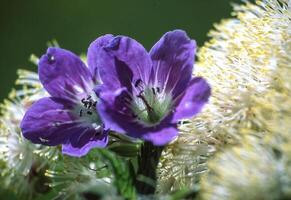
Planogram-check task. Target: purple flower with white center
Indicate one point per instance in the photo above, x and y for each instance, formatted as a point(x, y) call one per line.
point(145, 94)
point(69, 115)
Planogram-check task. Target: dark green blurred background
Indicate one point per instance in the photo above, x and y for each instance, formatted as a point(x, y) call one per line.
point(27, 25)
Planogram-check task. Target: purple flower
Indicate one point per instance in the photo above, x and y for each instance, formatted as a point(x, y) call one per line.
point(145, 94)
point(69, 116)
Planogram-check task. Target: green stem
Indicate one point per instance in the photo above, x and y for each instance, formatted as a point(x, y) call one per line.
point(148, 161)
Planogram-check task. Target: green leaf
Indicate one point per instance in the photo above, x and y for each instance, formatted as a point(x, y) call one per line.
point(122, 171)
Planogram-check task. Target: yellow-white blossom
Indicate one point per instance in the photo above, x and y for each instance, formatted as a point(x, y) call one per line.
point(241, 61)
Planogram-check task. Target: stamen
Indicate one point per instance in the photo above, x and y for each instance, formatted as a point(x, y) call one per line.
point(81, 113)
point(88, 103)
point(149, 108)
point(85, 104)
point(158, 89)
point(154, 92)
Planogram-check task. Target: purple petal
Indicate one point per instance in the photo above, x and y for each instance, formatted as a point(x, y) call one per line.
point(173, 60)
point(81, 146)
point(48, 122)
point(121, 61)
point(193, 100)
point(95, 53)
point(124, 123)
point(112, 111)
point(162, 136)
point(63, 74)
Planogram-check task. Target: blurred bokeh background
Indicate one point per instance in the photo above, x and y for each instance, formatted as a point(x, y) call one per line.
point(26, 26)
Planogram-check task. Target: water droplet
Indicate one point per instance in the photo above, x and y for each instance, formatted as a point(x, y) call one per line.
point(51, 59)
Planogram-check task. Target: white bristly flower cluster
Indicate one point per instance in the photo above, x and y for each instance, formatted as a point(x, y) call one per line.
point(247, 63)
point(23, 162)
point(76, 178)
point(31, 170)
point(249, 171)
point(259, 168)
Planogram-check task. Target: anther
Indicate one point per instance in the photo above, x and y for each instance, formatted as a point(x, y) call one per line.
point(85, 104)
point(89, 104)
point(158, 89)
point(154, 92)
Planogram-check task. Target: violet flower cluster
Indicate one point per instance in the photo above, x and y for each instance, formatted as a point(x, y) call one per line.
point(123, 88)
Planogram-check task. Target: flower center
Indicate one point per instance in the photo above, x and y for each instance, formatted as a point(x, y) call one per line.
point(150, 105)
point(86, 110)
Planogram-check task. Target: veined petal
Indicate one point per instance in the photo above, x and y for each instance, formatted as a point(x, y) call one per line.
point(193, 99)
point(117, 117)
point(63, 74)
point(173, 60)
point(123, 122)
point(113, 111)
point(122, 61)
point(95, 54)
point(49, 122)
point(80, 144)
